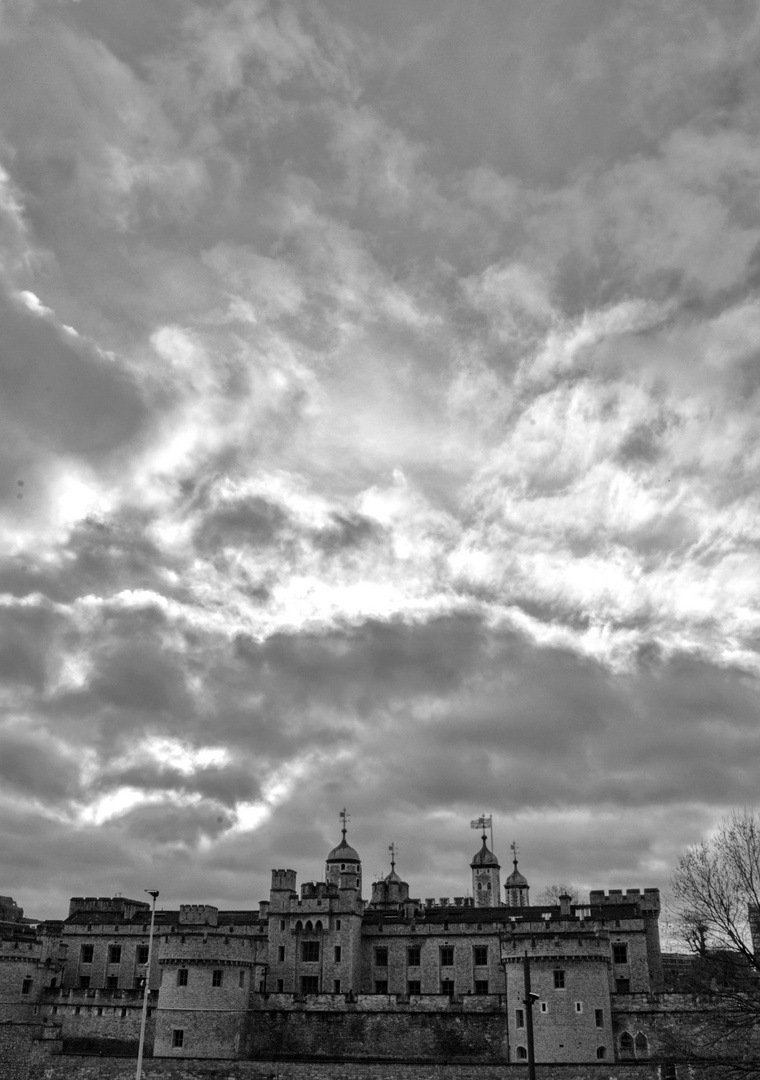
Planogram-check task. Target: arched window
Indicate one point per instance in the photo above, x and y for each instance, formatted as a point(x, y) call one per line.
point(601, 1051)
point(642, 1045)
point(299, 926)
point(522, 1053)
point(308, 926)
point(626, 1045)
point(318, 926)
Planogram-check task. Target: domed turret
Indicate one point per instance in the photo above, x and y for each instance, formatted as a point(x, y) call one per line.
point(516, 885)
point(485, 874)
point(343, 867)
point(390, 891)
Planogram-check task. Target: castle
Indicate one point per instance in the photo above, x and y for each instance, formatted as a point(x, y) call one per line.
point(321, 972)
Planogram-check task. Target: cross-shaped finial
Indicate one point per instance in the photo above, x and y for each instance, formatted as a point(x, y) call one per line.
point(393, 850)
point(345, 817)
point(515, 850)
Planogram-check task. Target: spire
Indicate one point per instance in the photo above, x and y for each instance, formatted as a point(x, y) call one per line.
point(345, 817)
point(392, 849)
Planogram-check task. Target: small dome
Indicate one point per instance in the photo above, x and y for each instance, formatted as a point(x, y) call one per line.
point(484, 857)
point(516, 880)
point(393, 877)
point(343, 853)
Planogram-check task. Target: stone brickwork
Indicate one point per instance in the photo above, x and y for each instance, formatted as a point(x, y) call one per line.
point(26, 1050)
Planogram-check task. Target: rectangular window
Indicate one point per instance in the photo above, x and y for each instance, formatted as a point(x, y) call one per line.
point(86, 954)
point(123, 1013)
point(182, 977)
point(336, 986)
point(599, 1017)
point(337, 954)
point(579, 1006)
point(520, 1018)
point(310, 952)
point(544, 1007)
point(413, 954)
point(559, 979)
point(381, 986)
point(620, 953)
point(282, 924)
point(622, 986)
point(26, 986)
point(178, 1038)
point(241, 979)
point(480, 955)
point(414, 986)
point(142, 954)
point(112, 982)
point(84, 982)
point(337, 924)
point(216, 977)
point(447, 987)
point(78, 1009)
point(114, 954)
point(381, 956)
point(447, 956)
point(309, 984)
point(481, 986)
point(281, 954)
point(280, 986)
point(100, 1010)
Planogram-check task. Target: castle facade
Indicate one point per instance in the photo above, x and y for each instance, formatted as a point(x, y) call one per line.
point(320, 972)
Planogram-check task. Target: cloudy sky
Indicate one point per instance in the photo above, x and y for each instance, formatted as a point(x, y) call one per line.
point(378, 427)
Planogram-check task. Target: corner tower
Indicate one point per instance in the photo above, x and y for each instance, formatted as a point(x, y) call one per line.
point(343, 867)
point(485, 877)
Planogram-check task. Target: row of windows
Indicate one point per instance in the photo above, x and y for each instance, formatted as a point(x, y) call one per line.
point(310, 954)
point(217, 977)
point(598, 1014)
point(87, 953)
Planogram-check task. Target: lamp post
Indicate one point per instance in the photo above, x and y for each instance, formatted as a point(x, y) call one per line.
point(146, 987)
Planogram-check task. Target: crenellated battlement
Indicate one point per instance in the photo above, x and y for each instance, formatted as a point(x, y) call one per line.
point(198, 915)
point(648, 900)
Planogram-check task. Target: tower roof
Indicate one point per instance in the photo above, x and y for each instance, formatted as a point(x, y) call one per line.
point(516, 880)
point(484, 857)
point(343, 852)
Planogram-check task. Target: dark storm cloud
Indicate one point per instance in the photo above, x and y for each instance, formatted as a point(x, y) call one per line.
point(35, 769)
point(225, 784)
point(174, 825)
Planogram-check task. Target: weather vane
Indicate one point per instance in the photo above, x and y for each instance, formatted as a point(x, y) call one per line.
point(485, 821)
point(394, 852)
point(345, 817)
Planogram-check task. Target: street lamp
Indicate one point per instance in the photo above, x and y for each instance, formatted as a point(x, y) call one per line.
point(146, 986)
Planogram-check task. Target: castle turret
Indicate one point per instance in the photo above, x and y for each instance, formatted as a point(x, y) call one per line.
point(516, 885)
point(343, 866)
point(390, 892)
point(485, 877)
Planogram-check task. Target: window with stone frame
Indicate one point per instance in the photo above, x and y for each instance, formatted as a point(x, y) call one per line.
point(447, 956)
point(381, 956)
point(381, 986)
point(601, 1052)
point(481, 986)
point(182, 977)
point(178, 1038)
point(619, 952)
point(280, 986)
point(622, 986)
point(84, 982)
point(309, 984)
point(599, 1017)
point(522, 1053)
point(337, 954)
point(414, 986)
point(86, 953)
point(447, 987)
point(26, 986)
point(336, 986)
point(280, 954)
point(559, 979)
point(310, 952)
point(480, 955)
point(142, 954)
point(520, 1018)
point(216, 977)
point(112, 982)
point(114, 954)
point(413, 955)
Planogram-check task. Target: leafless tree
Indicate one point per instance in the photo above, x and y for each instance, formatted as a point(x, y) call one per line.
point(716, 886)
point(552, 893)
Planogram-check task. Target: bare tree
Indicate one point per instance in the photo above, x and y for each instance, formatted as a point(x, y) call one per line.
point(717, 888)
point(552, 893)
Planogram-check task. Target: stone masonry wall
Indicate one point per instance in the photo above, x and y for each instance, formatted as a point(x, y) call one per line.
point(72, 1068)
point(26, 1050)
